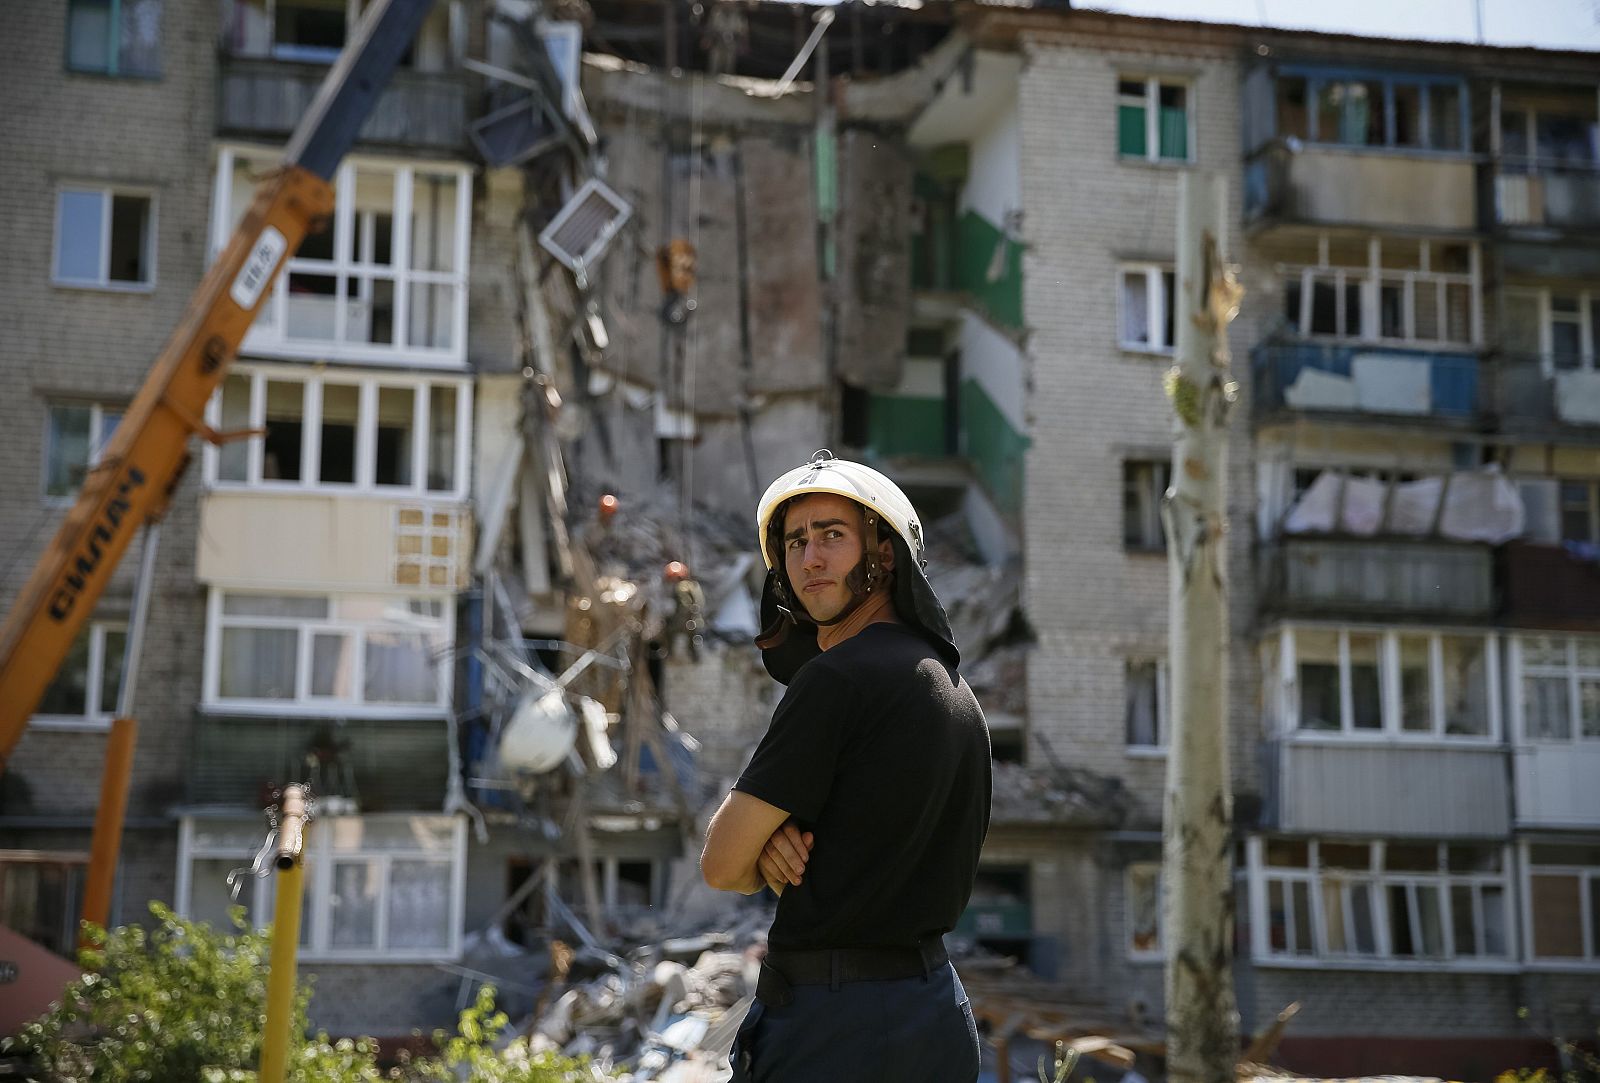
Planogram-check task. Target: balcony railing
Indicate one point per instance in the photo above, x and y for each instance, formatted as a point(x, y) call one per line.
point(1538, 394)
point(1293, 183)
point(1551, 196)
point(1360, 379)
point(1364, 577)
point(262, 97)
point(377, 764)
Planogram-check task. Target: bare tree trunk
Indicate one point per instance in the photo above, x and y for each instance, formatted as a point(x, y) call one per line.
point(1202, 1021)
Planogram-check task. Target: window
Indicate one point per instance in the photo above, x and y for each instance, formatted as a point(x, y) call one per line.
point(75, 438)
point(1560, 677)
point(314, 31)
point(1144, 486)
point(1153, 119)
point(1147, 304)
point(1411, 683)
point(84, 692)
point(1423, 901)
point(342, 433)
point(1532, 136)
point(105, 237)
point(1146, 706)
point(385, 281)
point(1143, 885)
point(1580, 511)
point(1561, 326)
point(378, 888)
point(328, 654)
point(1413, 292)
point(114, 37)
point(1564, 902)
point(41, 896)
point(1372, 110)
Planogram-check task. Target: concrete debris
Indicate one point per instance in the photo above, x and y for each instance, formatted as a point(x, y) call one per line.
point(1057, 795)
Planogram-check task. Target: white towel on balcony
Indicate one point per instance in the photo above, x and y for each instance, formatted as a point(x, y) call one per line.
point(1578, 397)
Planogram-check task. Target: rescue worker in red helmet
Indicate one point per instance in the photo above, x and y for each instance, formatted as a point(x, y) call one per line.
point(866, 803)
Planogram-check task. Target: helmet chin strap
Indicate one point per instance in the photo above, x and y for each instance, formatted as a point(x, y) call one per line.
point(862, 580)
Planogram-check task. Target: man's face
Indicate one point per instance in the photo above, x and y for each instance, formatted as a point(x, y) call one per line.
point(822, 543)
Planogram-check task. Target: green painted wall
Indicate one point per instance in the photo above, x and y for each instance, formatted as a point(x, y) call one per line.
point(976, 241)
point(995, 449)
point(903, 425)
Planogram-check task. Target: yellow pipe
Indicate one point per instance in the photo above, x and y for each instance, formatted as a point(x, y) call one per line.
point(107, 839)
point(285, 935)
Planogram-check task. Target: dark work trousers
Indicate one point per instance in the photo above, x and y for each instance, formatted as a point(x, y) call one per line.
point(919, 1030)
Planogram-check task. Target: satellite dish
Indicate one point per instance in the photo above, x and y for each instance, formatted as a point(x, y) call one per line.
point(541, 734)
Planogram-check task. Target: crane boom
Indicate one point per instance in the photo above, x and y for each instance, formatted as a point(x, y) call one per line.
point(142, 464)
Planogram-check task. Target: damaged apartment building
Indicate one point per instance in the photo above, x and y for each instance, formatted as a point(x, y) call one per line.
point(599, 270)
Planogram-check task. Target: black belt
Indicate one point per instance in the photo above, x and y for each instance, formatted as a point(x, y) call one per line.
point(837, 966)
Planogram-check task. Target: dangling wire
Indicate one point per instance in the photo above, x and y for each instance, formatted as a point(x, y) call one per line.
point(696, 145)
point(259, 869)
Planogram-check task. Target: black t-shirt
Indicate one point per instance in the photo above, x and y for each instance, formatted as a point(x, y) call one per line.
point(881, 749)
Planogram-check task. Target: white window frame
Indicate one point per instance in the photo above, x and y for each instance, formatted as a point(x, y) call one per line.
point(304, 704)
point(1592, 487)
point(1163, 707)
point(96, 716)
point(1138, 955)
point(267, 337)
point(103, 281)
point(1588, 333)
point(320, 853)
point(1283, 699)
point(1379, 881)
point(1520, 670)
point(1145, 476)
point(97, 446)
point(1591, 943)
point(1151, 104)
point(1372, 276)
point(366, 436)
point(1156, 308)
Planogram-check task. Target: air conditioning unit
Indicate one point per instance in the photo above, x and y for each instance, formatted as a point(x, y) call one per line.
point(581, 230)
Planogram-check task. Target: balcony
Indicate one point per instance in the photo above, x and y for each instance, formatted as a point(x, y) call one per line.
point(1533, 396)
point(1388, 788)
point(1547, 197)
point(1555, 784)
point(1549, 587)
point(1372, 381)
point(1292, 183)
point(264, 98)
point(380, 765)
point(1376, 579)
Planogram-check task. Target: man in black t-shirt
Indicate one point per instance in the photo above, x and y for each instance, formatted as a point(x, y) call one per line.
point(866, 803)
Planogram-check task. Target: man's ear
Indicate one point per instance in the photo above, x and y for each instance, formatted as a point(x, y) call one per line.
point(886, 555)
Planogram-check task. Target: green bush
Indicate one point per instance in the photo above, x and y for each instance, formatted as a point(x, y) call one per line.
point(184, 1003)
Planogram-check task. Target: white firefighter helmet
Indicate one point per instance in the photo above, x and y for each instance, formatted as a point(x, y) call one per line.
point(864, 485)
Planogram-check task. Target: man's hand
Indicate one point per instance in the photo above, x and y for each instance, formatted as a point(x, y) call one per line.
point(783, 859)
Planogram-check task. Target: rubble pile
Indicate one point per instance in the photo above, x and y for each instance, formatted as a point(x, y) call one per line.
point(1057, 795)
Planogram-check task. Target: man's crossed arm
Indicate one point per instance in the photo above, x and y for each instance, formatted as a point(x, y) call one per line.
point(751, 843)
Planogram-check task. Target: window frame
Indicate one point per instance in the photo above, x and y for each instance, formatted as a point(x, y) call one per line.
point(304, 704)
point(1587, 320)
point(1379, 880)
point(97, 716)
point(1283, 696)
point(97, 414)
point(1155, 276)
point(321, 854)
point(369, 384)
point(75, 868)
point(267, 335)
point(1586, 876)
point(1370, 279)
point(1591, 488)
point(1163, 707)
point(1134, 954)
point(1147, 476)
point(103, 281)
point(1151, 103)
point(113, 46)
point(1317, 77)
point(1571, 671)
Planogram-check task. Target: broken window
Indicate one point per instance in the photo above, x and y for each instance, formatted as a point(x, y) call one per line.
point(114, 37)
point(377, 887)
point(358, 432)
point(41, 894)
point(1145, 703)
point(1143, 882)
point(1144, 486)
point(314, 31)
point(85, 687)
point(75, 438)
point(346, 293)
point(1153, 119)
point(1147, 303)
point(350, 649)
point(1372, 111)
point(1560, 687)
point(105, 237)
